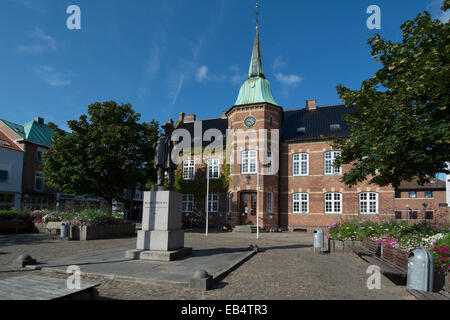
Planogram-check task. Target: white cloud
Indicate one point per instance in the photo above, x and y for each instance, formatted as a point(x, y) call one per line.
point(279, 63)
point(435, 9)
point(288, 80)
point(154, 61)
point(53, 77)
point(42, 43)
point(202, 74)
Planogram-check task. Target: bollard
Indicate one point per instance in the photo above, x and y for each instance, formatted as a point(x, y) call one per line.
point(65, 230)
point(420, 270)
point(318, 239)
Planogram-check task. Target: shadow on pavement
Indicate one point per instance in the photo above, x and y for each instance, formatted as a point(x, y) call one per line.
point(28, 238)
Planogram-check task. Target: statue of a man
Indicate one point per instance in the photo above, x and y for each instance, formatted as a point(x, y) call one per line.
point(163, 150)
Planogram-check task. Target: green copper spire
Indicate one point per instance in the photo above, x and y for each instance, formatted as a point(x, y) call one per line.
point(256, 66)
point(256, 89)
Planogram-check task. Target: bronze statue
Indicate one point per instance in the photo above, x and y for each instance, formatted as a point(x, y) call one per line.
point(163, 162)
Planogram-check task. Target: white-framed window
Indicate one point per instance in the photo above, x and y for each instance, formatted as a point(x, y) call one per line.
point(4, 173)
point(213, 203)
point(188, 203)
point(39, 181)
point(188, 169)
point(300, 164)
point(249, 165)
point(269, 202)
point(333, 203)
point(368, 203)
point(230, 202)
point(330, 158)
point(213, 165)
point(39, 153)
point(300, 203)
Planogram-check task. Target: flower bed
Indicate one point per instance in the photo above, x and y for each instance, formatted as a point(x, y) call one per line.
point(394, 241)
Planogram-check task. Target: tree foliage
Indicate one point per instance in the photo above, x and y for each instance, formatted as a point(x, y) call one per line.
point(108, 151)
point(400, 124)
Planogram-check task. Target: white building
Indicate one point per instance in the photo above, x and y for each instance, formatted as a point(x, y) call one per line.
point(11, 168)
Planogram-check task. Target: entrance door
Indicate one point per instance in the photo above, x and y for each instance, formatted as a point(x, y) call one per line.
point(248, 208)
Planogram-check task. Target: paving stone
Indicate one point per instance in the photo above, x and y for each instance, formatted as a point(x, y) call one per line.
point(285, 268)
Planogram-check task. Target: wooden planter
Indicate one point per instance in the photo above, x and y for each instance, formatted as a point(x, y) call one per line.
point(374, 246)
point(397, 256)
point(336, 245)
point(106, 231)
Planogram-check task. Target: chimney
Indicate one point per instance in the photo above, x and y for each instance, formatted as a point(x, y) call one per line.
point(311, 105)
point(39, 120)
point(181, 118)
point(188, 118)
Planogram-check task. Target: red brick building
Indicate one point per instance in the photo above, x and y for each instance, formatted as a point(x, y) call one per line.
point(302, 188)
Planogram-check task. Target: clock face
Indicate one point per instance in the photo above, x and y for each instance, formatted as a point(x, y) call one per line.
point(250, 121)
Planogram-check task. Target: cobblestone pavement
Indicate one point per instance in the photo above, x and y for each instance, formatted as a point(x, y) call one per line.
point(286, 268)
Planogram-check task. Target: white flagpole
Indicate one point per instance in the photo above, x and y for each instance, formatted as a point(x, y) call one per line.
point(257, 198)
point(207, 196)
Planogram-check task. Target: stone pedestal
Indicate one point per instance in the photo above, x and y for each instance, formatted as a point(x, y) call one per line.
point(161, 237)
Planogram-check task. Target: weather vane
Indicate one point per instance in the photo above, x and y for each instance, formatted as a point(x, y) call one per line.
point(256, 14)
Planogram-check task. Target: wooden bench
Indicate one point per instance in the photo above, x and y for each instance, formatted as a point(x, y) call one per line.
point(386, 267)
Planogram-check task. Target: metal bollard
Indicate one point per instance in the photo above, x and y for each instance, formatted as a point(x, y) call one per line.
point(318, 239)
point(420, 270)
point(65, 230)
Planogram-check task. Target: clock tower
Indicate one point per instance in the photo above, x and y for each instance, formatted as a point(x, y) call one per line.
point(253, 139)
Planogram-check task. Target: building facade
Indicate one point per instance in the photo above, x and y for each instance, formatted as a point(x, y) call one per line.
point(11, 166)
point(281, 166)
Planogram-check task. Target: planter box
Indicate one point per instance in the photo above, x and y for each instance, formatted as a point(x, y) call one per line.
point(39, 227)
point(373, 246)
point(102, 231)
point(346, 246)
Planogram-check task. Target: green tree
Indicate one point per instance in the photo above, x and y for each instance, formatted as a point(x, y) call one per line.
point(400, 120)
point(107, 152)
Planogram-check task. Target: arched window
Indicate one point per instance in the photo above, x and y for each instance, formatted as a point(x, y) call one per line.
point(249, 164)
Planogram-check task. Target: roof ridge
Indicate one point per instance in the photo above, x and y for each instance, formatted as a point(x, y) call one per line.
point(324, 106)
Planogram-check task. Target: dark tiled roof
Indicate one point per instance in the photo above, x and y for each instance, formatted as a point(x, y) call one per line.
point(220, 124)
point(413, 185)
point(316, 123)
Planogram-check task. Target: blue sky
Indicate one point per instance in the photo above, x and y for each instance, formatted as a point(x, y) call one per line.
point(169, 56)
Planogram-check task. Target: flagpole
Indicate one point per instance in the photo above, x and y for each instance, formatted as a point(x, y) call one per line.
point(257, 198)
point(207, 196)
